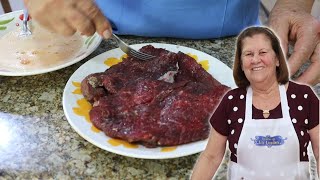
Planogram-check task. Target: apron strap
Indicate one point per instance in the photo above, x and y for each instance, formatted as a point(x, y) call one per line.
point(248, 109)
point(284, 102)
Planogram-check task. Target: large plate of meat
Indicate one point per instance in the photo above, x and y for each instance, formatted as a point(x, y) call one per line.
point(153, 109)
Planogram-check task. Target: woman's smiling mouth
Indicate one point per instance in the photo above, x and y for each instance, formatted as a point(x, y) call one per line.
point(257, 68)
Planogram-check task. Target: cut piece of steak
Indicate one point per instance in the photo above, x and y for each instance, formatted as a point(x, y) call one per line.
point(133, 101)
point(92, 87)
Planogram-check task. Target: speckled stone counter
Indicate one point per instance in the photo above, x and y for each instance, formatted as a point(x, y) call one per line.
point(37, 142)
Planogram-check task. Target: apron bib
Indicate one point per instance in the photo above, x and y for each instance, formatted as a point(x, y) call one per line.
point(268, 148)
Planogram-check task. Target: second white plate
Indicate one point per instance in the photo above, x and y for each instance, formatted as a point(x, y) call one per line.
point(12, 21)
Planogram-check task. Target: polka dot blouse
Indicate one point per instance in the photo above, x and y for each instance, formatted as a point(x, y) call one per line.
point(229, 116)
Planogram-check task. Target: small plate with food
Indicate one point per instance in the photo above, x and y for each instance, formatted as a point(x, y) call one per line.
point(41, 52)
point(155, 109)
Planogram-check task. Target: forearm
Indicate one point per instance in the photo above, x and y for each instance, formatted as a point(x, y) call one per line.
point(206, 167)
point(294, 5)
point(318, 167)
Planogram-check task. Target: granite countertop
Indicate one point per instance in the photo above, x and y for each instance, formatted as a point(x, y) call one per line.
point(37, 142)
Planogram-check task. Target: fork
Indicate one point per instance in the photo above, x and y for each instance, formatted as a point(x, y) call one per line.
point(130, 51)
point(25, 30)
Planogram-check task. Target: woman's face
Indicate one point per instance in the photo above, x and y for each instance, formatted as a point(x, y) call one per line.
point(259, 61)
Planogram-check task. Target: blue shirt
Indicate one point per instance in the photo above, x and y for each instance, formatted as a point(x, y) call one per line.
point(194, 19)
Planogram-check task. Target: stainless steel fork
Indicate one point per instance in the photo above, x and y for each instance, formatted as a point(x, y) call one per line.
point(131, 52)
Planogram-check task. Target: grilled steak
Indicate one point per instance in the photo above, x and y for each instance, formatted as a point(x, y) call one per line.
point(161, 102)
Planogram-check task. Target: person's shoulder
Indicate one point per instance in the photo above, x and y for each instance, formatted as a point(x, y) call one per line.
point(232, 98)
point(296, 87)
point(236, 92)
point(301, 91)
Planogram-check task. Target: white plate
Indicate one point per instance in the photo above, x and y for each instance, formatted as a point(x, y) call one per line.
point(219, 70)
point(11, 21)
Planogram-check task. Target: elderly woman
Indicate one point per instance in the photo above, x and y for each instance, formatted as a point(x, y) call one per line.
point(268, 120)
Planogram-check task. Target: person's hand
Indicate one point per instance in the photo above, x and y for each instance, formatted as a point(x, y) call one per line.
point(294, 25)
point(68, 16)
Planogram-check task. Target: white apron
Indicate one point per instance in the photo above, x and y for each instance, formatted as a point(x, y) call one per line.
point(268, 149)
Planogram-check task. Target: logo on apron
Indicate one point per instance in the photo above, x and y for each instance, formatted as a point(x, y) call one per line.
point(268, 140)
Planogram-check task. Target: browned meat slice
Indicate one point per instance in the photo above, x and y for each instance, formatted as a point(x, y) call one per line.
point(138, 107)
point(191, 69)
point(92, 87)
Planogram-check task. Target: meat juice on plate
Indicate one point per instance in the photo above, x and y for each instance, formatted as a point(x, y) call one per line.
point(43, 49)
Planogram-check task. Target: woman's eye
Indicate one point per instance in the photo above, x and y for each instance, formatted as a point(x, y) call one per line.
point(263, 52)
point(248, 54)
